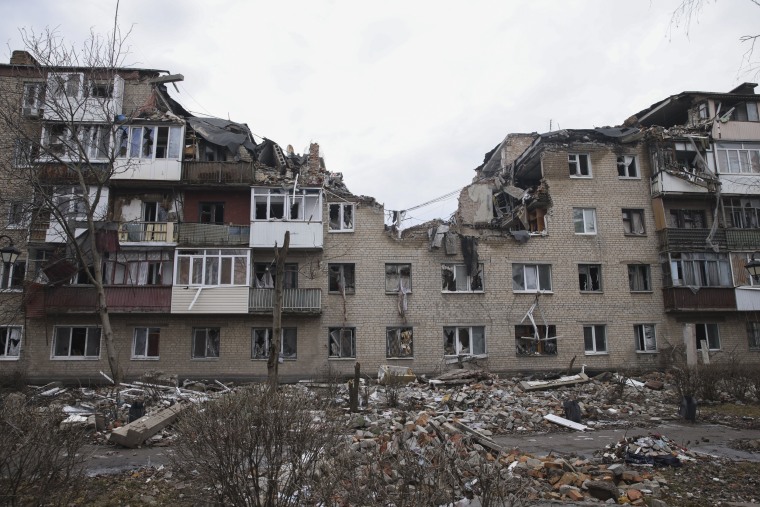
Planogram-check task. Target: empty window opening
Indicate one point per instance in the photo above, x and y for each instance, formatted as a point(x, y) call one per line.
point(398, 277)
point(454, 278)
point(579, 164)
point(535, 341)
point(76, 342)
point(399, 342)
point(627, 166)
point(646, 338)
point(211, 213)
point(341, 278)
point(261, 341)
point(639, 278)
point(341, 217)
point(633, 222)
point(708, 333)
point(590, 277)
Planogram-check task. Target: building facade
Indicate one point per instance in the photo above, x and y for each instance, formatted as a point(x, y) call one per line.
point(606, 247)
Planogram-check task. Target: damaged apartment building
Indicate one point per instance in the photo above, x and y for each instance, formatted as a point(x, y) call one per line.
point(609, 246)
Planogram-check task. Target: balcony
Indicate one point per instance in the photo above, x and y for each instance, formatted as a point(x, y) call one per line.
point(690, 240)
point(303, 235)
point(217, 172)
point(743, 239)
point(678, 299)
point(120, 299)
point(147, 232)
point(213, 234)
point(300, 301)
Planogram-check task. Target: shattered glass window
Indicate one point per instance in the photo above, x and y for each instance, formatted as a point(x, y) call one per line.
point(708, 333)
point(76, 342)
point(464, 340)
point(633, 221)
point(753, 335)
point(342, 342)
point(10, 342)
point(535, 341)
point(531, 277)
point(341, 217)
point(627, 166)
point(699, 269)
point(590, 277)
point(646, 340)
point(398, 277)
point(454, 278)
point(639, 278)
point(584, 220)
point(399, 342)
point(341, 278)
point(595, 339)
point(579, 164)
point(145, 343)
point(206, 342)
point(260, 342)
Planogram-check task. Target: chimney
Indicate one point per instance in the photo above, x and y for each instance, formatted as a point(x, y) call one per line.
point(21, 57)
point(314, 162)
point(744, 89)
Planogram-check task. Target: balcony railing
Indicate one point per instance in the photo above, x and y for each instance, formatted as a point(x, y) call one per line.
point(743, 239)
point(699, 299)
point(293, 301)
point(213, 234)
point(690, 239)
point(120, 299)
point(217, 172)
point(141, 232)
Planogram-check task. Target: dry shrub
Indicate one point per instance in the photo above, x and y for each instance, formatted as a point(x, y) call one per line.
point(39, 463)
point(257, 447)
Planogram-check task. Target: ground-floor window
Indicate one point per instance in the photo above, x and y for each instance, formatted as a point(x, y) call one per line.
point(342, 342)
point(646, 339)
point(70, 342)
point(206, 342)
point(399, 342)
point(261, 337)
point(145, 342)
point(708, 333)
point(536, 340)
point(753, 335)
point(10, 342)
point(464, 340)
point(595, 339)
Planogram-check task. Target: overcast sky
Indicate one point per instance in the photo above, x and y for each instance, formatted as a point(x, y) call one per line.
point(406, 97)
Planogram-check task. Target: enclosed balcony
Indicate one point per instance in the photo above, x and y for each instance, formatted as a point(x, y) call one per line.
point(213, 234)
point(699, 299)
point(120, 299)
point(200, 172)
point(743, 239)
point(294, 301)
point(673, 239)
point(147, 232)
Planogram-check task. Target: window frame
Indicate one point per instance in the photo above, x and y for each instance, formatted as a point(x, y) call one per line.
point(540, 282)
point(595, 330)
point(458, 344)
point(629, 215)
point(640, 338)
point(588, 276)
point(544, 347)
point(189, 257)
point(711, 339)
point(687, 268)
point(647, 271)
point(131, 147)
point(289, 333)
point(149, 332)
point(306, 204)
point(12, 276)
point(403, 342)
point(342, 268)
point(576, 162)
point(209, 333)
point(470, 280)
point(342, 226)
point(290, 280)
point(352, 342)
point(5, 342)
point(35, 106)
point(624, 167)
point(403, 281)
point(583, 221)
point(209, 211)
point(753, 335)
point(84, 357)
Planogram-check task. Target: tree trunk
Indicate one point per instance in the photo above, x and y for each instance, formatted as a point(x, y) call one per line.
point(353, 390)
point(280, 254)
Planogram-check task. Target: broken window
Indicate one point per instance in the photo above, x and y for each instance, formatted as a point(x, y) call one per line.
point(206, 342)
point(100, 89)
point(76, 342)
point(341, 217)
point(584, 220)
point(342, 342)
point(639, 278)
point(261, 338)
point(469, 340)
point(399, 342)
point(34, 94)
point(64, 86)
point(341, 278)
point(211, 212)
point(535, 341)
point(708, 333)
point(12, 275)
point(25, 152)
point(633, 222)
point(303, 205)
point(703, 112)
point(139, 268)
point(455, 278)
point(10, 342)
point(17, 216)
point(590, 277)
point(95, 141)
point(753, 335)
point(627, 166)
point(265, 275)
point(145, 342)
point(57, 140)
point(646, 339)
point(537, 220)
point(745, 111)
point(151, 142)
point(742, 212)
point(579, 164)
point(686, 219)
point(531, 277)
point(738, 157)
point(398, 277)
point(595, 339)
point(212, 267)
point(697, 269)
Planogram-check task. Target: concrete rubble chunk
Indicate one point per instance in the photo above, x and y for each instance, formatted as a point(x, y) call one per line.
point(137, 432)
point(567, 380)
point(602, 490)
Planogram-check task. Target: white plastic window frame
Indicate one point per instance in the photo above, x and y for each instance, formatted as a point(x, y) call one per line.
point(88, 337)
point(7, 332)
point(342, 226)
point(595, 329)
point(628, 164)
point(149, 331)
point(574, 159)
point(540, 281)
point(588, 227)
point(206, 257)
point(640, 335)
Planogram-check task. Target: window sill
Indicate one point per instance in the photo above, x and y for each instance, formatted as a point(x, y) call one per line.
point(407, 358)
point(647, 352)
point(536, 355)
point(629, 177)
point(204, 359)
point(138, 358)
point(76, 358)
point(340, 231)
point(463, 292)
point(16, 358)
point(341, 358)
point(634, 235)
point(591, 292)
point(394, 293)
point(335, 293)
point(585, 234)
point(532, 292)
point(575, 177)
point(596, 353)
point(642, 292)
point(265, 359)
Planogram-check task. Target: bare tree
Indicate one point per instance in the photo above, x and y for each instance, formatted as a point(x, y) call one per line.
point(273, 361)
point(64, 118)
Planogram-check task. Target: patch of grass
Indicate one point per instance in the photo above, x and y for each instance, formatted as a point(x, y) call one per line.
point(733, 409)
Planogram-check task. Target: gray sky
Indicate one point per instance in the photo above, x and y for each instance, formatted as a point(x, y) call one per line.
point(406, 97)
